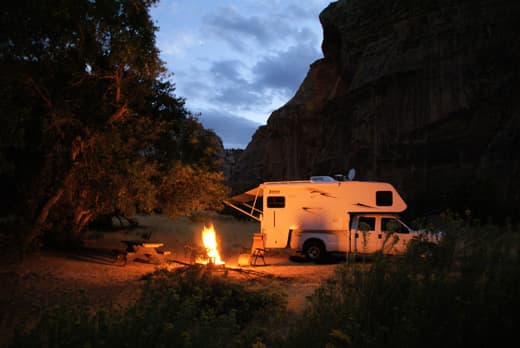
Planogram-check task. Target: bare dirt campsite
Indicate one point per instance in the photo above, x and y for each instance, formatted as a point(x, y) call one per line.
point(47, 276)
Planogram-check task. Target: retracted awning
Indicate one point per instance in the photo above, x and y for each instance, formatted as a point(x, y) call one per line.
point(247, 196)
point(246, 202)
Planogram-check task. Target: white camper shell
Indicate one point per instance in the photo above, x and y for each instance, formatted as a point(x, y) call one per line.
point(322, 215)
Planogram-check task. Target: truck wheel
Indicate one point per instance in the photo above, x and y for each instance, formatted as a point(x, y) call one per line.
point(314, 250)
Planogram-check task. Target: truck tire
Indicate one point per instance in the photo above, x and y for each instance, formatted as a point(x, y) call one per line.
point(314, 250)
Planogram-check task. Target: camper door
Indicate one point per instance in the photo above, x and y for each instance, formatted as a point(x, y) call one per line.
point(274, 224)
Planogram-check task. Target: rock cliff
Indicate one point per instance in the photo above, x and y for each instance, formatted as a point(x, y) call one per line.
point(423, 94)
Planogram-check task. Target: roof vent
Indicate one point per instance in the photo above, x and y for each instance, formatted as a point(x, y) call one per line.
point(322, 179)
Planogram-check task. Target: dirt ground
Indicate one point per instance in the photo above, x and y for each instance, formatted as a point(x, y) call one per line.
point(45, 277)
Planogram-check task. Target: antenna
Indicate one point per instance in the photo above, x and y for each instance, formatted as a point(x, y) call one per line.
point(351, 174)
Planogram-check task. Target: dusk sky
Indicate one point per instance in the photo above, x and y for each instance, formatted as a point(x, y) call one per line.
point(236, 61)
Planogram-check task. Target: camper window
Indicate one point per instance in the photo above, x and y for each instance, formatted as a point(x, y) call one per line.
point(276, 202)
point(384, 198)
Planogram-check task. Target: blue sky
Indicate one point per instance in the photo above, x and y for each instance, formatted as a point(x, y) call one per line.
point(236, 61)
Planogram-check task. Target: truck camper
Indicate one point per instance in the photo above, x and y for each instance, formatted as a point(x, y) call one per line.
point(324, 215)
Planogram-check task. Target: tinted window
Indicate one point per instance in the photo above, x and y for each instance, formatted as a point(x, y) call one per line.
point(276, 202)
point(367, 224)
point(392, 225)
point(384, 198)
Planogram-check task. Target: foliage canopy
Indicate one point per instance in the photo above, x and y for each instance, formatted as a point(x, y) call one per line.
point(89, 124)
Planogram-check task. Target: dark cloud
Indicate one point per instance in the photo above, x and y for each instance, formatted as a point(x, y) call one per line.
point(229, 86)
point(279, 74)
point(235, 131)
point(267, 30)
point(278, 70)
point(240, 96)
point(227, 71)
point(235, 28)
point(285, 70)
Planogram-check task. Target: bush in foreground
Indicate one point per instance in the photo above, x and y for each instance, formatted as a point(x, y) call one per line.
point(187, 308)
point(463, 292)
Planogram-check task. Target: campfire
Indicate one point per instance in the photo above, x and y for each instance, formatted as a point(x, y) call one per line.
point(209, 239)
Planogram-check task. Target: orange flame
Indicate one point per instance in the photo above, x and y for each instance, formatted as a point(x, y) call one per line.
point(209, 238)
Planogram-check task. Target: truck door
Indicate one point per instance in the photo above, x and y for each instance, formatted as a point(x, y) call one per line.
point(396, 236)
point(367, 239)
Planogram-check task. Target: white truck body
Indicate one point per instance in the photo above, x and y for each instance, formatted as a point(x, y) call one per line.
point(322, 215)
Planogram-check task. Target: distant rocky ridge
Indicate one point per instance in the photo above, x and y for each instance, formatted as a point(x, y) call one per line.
point(423, 94)
point(229, 160)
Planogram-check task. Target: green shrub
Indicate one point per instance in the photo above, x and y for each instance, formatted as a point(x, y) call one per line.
point(188, 308)
point(462, 292)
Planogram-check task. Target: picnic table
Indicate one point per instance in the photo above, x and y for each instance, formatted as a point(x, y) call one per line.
point(144, 251)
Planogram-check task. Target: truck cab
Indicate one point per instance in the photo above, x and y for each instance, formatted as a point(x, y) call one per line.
point(379, 232)
point(367, 234)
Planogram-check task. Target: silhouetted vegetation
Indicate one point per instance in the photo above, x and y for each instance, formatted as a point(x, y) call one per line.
point(187, 308)
point(461, 293)
point(89, 125)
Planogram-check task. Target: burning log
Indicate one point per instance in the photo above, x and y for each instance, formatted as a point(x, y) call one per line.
point(206, 259)
point(211, 269)
point(212, 255)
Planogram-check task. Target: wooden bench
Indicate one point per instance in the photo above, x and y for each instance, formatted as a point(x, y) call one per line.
point(144, 251)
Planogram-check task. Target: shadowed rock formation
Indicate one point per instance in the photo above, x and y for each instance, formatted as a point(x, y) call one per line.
point(423, 94)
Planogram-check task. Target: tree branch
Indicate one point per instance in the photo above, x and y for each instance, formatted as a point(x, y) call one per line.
point(118, 114)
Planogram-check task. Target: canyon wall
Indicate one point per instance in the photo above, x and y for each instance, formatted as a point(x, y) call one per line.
point(423, 94)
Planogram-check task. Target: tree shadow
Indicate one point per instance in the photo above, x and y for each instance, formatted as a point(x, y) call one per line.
point(104, 256)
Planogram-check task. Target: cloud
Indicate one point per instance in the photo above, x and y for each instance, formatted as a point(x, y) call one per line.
point(228, 71)
point(229, 84)
point(275, 53)
point(241, 89)
point(179, 45)
point(230, 26)
point(239, 97)
point(285, 70)
point(242, 32)
point(193, 83)
point(235, 131)
point(277, 74)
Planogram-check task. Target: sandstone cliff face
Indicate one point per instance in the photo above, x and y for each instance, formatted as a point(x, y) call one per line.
point(423, 94)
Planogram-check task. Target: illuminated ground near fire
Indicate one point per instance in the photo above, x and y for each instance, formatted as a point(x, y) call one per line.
point(45, 276)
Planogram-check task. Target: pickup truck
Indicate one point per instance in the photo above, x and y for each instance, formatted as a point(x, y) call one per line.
point(368, 234)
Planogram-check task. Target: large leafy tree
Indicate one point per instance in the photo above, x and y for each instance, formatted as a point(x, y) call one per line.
point(88, 126)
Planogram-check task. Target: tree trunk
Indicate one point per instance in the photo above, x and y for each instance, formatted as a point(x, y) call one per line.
point(83, 222)
point(40, 221)
point(81, 217)
point(78, 147)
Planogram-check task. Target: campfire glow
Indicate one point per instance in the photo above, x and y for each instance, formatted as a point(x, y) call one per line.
point(209, 238)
